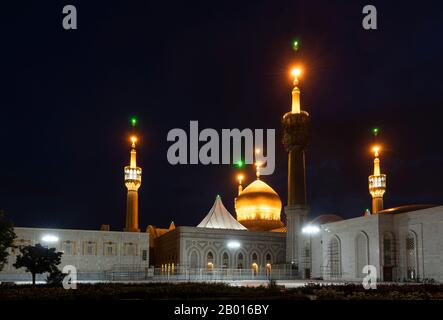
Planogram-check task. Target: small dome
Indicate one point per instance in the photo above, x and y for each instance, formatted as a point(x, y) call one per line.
point(258, 207)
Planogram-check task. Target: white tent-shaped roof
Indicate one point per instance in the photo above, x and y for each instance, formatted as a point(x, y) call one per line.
point(220, 218)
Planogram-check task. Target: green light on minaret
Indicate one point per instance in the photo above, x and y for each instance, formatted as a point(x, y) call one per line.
point(240, 164)
point(375, 131)
point(295, 44)
point(133, 121)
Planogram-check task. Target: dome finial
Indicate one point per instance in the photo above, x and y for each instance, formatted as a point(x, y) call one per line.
point(240, 179)
point(257, 166)
point(296, 72)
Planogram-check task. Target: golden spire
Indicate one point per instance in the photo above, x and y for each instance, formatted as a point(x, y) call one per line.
point(296, 92)
point(376, 150)
point(257, 166)
point(133, 163)
point(240, 187)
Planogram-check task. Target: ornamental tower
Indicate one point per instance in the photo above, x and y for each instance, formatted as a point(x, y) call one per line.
point(133, 180)
point(377, 183)
point(296, 127)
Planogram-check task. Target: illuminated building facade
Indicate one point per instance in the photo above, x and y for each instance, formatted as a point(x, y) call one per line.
point(403, 243)
point(218, 244)
point(96, 254)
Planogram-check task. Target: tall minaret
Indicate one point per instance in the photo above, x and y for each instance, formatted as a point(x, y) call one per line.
point(296, 126)
point(377, 183)
point(133, 179)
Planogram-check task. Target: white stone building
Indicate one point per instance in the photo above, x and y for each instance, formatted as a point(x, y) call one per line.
point(404, 243)
point(93, 253)
point(219, 242)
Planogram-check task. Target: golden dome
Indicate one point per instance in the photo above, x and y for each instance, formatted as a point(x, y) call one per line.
point(258, 207)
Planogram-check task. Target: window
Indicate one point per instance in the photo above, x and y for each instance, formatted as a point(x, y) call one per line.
point(240, 261)
point(109, 248)
point(130, 249)
point(225, 261)
point(210, 260)
point(361, 253)
point(89, 248)
point(69, 247)
point(334, 257)
point(254, 264)
point(194, 259)
point(144, 255)
point(411, 256)
point(388, 250)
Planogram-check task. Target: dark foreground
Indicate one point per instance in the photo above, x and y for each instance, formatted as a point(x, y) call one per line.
point(204, 291)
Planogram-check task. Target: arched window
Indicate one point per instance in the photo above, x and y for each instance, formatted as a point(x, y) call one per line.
point(254, 264)
point(361, 253)
point(268, 264)
point(240, 261)
point(411, 256)
point(334, 257)
point(210, 260)
point(389, 253)
point(193, 260)
point(225, 261)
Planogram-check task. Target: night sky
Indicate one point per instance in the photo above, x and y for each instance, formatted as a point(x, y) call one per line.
point(68, 95)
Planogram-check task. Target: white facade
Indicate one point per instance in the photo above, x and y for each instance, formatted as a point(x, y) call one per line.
point(238, 249)
point(91, 252)
point(402, 246)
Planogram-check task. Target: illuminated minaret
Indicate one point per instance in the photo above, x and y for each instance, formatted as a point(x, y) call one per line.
point(296, 126)
point(377, 183)
point(133, 179)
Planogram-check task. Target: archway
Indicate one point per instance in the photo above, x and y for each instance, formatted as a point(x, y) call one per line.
point(361, 253)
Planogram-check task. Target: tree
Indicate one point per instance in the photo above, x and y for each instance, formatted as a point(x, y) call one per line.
point(7, 237)
point(55, 277)
point(38, 259)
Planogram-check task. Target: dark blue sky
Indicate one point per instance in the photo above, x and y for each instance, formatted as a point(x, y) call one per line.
point(69, 94)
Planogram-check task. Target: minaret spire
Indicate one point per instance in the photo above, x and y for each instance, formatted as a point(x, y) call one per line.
point(296, 92)
point(377, 183)
point(133, 178)
point(133, 163)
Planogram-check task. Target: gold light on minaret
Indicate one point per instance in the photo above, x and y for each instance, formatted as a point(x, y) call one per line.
point(296, 92)
point(240, 187)
point(133, 179)
point(377, 183)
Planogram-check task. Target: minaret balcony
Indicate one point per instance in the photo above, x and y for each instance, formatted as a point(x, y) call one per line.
point(377, 185)
point(133, 174)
